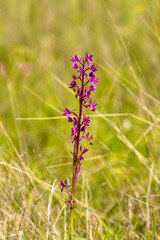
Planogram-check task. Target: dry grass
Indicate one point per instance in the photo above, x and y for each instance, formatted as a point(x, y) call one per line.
point(118, 193)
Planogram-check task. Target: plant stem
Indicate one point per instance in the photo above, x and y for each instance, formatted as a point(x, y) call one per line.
point(72, 206)
point(75, 158)
point(71, 223)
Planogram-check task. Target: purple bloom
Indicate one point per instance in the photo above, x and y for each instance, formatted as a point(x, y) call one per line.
point(75, 122)
point(75, 59)
point(73, 133)
point(92, 105)
point(83, 84)
point(64, 185)
point(83, 129)
point(75, 66)
point(93, 68)
point(70, 202)
point(85, 123)
point(86, 120)
point(78, 171)
point(72, 84)
point(87, 93)
point(79, 91)
point(91, 74)
point(88, 138)
point(67, 112)
point(70, 119)
point(74, 77)
point(93, 80)
point(88, 58)
point(92, 88)
point(82, 152)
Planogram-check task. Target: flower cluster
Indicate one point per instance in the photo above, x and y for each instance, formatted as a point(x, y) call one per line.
point(83, 84)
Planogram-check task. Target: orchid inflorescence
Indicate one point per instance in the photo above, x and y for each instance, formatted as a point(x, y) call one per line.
point(83, 85)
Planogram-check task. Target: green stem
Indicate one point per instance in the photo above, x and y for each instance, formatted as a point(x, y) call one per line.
point(72, 197)
point(71, 223)
point(72, 209)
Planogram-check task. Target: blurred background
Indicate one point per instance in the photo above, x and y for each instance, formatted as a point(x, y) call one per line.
point(118, 191)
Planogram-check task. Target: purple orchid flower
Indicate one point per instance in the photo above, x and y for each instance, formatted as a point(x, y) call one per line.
point(78, 171)
point(91, 74)
point(93, 68)
point(82, 152)
point(64, 185)
point(88, 58)
point(86, 120)
point(72, 84)
point(67, 112)
point(76, 59)
point(75, 66)
point(83, 84)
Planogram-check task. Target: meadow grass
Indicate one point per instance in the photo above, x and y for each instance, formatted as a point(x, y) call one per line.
point(118, 192)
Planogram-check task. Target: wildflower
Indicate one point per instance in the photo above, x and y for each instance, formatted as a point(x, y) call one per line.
point(75, 66)
point(72, 84)
point(82, 152)
point(93, 68)
point(88, 58)
point(78, 171)
point(73, 133)
point(83, 84)
point(92, 88)
point(86, 120)
point(93, 80)
point(91, 74)
point(70, 202)
point(76, 59)
point(67, 112)
point(64, 185)
point(87, 93)
point(91, 105)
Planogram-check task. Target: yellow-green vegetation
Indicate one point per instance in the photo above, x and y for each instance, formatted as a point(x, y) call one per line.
point(118, 194)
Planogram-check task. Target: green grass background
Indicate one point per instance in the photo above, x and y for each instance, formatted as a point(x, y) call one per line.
point(118, 194)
